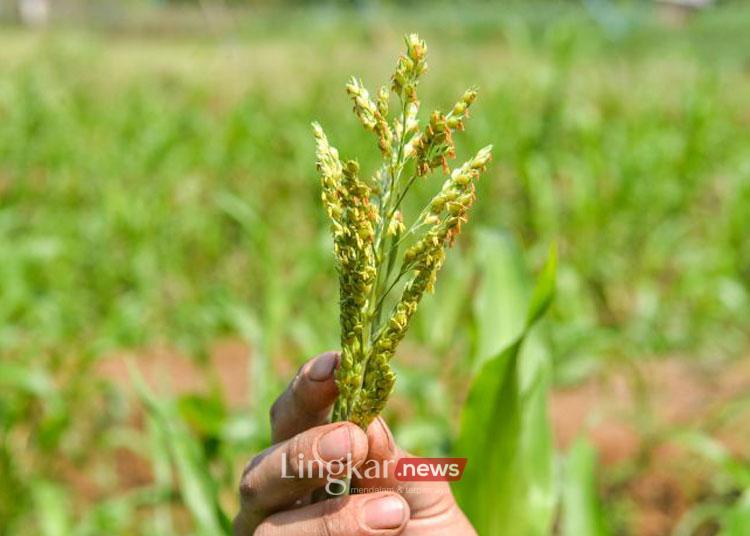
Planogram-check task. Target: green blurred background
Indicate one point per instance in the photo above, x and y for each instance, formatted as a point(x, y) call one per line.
point(160, 217)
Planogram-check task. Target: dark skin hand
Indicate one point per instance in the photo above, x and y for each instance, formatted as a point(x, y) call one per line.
point(273, 506)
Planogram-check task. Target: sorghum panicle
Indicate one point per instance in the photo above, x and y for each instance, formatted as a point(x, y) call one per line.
point(368, 227)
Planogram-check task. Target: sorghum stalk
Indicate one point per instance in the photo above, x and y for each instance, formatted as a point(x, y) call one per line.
point(369, 232)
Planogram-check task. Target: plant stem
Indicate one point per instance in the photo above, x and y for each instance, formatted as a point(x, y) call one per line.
point(387, 210)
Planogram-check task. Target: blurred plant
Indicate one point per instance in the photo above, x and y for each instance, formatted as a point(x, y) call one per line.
point(508, 485)
point(153, 222)
point(728, 507)
point(368, 228)
point(581, 508)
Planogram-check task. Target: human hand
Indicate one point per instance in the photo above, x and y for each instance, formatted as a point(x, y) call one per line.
point(275, 506)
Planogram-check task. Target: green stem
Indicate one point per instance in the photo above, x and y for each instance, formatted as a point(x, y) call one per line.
point(401, 196)
point(388, 209)
point(388, 291)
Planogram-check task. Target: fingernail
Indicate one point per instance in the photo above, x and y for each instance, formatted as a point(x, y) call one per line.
point(384, 513)
point(335, 445)
point(322, 368)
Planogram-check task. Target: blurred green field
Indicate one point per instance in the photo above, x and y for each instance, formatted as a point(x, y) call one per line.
point(158, 191)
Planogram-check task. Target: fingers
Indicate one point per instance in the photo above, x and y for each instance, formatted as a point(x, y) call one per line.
point(307, 400)
point(376, 514)
point(281, 475)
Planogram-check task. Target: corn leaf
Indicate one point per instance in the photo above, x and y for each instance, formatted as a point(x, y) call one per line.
point(501, 294)
point(507, 486)
point(736, 520)
point(582, 513)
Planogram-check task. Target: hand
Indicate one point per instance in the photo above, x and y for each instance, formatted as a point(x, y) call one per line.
point(275, 506)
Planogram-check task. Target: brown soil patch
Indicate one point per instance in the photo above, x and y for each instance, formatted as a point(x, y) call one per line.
point(167, 371)
point(631, 414)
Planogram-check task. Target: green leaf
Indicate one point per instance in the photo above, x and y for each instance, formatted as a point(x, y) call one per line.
point(582, 513)
point(718, 454)
point(736, 520)
point(501, 295)
point(205, 415)
point(490, 439)
point(544, 291)
point(52, 505)
point(114, 514)
point(507, 485)
point(197, 488)
point(28, 379)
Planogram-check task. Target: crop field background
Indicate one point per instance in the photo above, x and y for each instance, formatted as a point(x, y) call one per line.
point(165, 262)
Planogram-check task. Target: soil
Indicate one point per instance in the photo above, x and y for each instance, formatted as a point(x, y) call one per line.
point(634, 415)
point(629, 413)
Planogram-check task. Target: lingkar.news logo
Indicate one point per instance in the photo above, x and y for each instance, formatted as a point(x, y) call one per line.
point(339, 473)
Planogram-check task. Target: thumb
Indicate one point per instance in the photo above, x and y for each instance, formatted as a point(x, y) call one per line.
point(422, 496)
point(433, 508)
point(376, 514)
